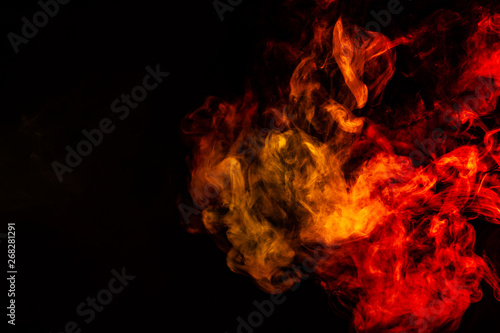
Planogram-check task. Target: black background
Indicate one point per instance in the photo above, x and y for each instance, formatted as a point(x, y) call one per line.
point(119, 207)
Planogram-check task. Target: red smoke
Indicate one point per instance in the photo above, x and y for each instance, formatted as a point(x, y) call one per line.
point(388, 180)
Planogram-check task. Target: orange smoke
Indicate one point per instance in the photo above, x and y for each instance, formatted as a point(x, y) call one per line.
point(389, 191)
